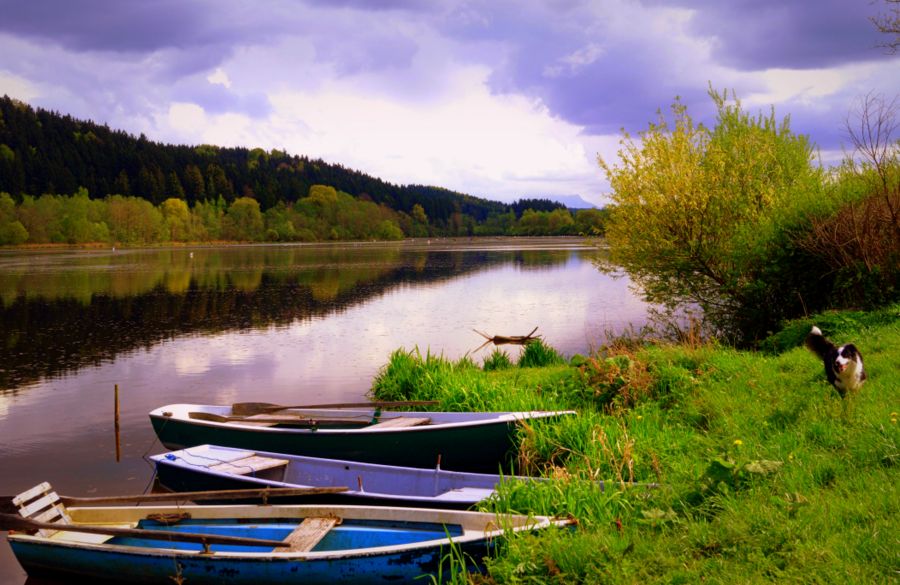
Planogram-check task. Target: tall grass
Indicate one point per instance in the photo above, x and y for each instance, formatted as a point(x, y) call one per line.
point(764, 472)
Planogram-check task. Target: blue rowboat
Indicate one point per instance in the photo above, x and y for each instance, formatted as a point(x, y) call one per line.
point(462, 441)
point(251, 544)
point(210, 467)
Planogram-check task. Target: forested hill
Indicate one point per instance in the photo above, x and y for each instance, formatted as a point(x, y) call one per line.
point(45, 152)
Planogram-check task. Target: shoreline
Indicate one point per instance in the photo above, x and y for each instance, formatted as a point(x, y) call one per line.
point(436, 244)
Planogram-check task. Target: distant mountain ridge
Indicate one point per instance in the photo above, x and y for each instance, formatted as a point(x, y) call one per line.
point(572, 201)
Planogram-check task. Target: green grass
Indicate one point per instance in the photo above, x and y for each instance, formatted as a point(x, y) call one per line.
point(765, 474)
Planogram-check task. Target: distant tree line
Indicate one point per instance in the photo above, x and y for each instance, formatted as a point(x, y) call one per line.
point(80, 176)
point(324, 214)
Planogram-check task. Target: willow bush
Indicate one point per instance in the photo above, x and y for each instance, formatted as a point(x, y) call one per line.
point(709, 217)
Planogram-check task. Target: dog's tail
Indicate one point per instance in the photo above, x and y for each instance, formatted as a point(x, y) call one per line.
point(817, 343)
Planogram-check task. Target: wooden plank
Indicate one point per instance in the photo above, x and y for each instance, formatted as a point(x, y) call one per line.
point(28, 495)
point(400, 422)
point(55, 515)
point(42, 504)
point(308, 534)
point(249, 465)
point(50, 500)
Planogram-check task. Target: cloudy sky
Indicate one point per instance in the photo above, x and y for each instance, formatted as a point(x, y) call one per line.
point(498, 98)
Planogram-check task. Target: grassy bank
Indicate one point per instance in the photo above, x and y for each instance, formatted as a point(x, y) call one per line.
point(764, 472)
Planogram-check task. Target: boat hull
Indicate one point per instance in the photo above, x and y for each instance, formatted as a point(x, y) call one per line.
point(111, 566)
point(201, 468)
point(60, 561)
point(485, 446)
point(354, 544)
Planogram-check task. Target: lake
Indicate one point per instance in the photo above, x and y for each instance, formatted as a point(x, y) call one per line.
point(287, 324)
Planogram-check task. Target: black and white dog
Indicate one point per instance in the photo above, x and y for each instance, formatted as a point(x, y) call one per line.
point(843, 365)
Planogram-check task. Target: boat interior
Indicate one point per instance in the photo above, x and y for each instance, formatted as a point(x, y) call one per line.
point(210, 529)
point(362, 477)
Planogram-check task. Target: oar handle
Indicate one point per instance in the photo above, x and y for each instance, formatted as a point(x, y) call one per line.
point(14, 522)
point(204, 495)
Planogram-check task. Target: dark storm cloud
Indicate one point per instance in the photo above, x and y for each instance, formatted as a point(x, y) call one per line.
point(100, 25)
point(140, 53)
point(573, 57)
point(601, 64)
point(352, 49)
point(197, 36)
point(376, 5)
point(592, 70)
point(623, 88)
point(794, 34)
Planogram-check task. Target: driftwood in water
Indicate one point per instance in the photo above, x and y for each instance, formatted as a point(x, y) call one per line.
point(507, 339)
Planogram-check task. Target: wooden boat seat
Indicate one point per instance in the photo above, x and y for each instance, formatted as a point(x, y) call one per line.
point(42, 504)
point(400, 422)
point(247, 465)
point(308, 534)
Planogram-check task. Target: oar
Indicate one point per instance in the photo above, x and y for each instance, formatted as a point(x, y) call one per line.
point(251, 408)
point(273, 420)
point(14, 522)
point(204, 495)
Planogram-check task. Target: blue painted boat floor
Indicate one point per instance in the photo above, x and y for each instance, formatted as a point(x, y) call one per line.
point(352, 534)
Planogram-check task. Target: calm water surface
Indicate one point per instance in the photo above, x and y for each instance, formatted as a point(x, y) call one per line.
point(282, 324)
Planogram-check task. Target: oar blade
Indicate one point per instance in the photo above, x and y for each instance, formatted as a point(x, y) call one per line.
point(251, 408)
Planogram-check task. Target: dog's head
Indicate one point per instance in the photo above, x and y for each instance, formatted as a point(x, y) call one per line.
point(847, 355)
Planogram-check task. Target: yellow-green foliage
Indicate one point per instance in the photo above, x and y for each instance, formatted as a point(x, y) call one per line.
point(11, 229)
point(326, 214)
point(243, 220)
point(696, 209)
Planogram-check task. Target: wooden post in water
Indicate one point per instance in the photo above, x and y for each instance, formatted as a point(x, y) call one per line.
point(118, 445)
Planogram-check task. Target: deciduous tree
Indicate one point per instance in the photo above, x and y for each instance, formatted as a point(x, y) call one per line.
point(243, 221)
point(177, 218)
point(12, 232)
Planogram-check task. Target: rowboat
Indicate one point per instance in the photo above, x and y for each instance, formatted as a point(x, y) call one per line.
point(210, 467)
point(464, 441)
point(249, 544)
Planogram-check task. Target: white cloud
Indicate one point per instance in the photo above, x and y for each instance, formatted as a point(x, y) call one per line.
point(187, 119)
point(573, 62)
point(219, 77)
point(807, 87)
point(468, 137)
point(190, 362)
point(17, 87)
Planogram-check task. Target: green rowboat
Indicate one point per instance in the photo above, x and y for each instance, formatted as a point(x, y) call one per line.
point(462, 441)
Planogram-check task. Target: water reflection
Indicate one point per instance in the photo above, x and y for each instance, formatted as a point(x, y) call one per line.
point(64, 311)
